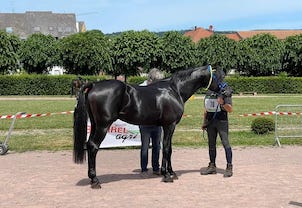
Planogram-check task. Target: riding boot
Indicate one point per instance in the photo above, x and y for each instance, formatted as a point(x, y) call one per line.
point(211, 169)
point(228, 170)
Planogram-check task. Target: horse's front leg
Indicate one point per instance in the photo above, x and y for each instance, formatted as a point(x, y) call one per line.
point(166, 169)
point(92, 149)
point(170, 170)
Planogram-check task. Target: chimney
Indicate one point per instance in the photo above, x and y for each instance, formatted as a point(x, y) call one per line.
point(211, 28)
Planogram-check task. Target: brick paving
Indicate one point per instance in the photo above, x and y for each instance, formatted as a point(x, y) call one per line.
point(263, 177)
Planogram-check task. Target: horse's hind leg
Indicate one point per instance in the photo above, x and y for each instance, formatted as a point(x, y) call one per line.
point(93, 144)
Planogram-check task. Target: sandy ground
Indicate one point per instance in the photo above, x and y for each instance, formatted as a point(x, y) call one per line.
point(263, 177)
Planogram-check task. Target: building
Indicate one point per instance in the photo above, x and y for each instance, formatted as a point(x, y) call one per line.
point(280, 34)
point(58, 25)
point(198, 33)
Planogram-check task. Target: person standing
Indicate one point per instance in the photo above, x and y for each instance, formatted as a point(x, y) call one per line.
point(150, 132)
point(215, 121)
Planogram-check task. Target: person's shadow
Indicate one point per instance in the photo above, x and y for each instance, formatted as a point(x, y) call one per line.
point(299, 204)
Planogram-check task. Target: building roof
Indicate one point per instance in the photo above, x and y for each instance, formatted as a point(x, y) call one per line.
point(234, 36)
point(280, 34)
point(199, 33)
point(24, 24)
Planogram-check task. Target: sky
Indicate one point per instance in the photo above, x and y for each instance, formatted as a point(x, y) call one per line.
point(111, 16)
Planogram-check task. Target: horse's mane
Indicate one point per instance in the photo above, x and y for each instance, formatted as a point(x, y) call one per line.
point(181, 75)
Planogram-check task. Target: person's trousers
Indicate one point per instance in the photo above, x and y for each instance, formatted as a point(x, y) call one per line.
point(147, 133)
point(221, 128)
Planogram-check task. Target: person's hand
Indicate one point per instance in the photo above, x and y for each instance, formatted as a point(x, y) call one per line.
point(220, 100)
point(204, 126)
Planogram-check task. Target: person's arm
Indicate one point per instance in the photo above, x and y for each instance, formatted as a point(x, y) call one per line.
point(226, 106)
point(204, 124)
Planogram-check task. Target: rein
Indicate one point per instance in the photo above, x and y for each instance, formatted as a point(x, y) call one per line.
point(211, 78)
point(214, 116)
point(210, 82)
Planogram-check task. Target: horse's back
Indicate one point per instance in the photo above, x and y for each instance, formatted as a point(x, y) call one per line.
point(156, 104)
point(107, 89)
point(106, 84)
point(105, 99)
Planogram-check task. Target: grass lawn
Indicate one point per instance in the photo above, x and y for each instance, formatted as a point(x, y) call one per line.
point(55, 132)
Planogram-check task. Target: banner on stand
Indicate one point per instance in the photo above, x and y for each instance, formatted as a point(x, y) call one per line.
point(120, 134)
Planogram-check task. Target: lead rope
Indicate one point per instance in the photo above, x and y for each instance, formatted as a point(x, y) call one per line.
point(214, 116)
point(203, 134)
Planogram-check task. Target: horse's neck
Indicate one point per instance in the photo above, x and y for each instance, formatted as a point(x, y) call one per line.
point(187, 92)
point(188, 87)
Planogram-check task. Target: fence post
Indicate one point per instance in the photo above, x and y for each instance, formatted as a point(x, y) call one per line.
point(288, 122)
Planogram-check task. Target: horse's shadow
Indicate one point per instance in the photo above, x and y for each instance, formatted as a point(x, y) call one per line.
point(109, 178)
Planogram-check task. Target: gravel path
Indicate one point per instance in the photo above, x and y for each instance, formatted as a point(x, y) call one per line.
point(263, 177)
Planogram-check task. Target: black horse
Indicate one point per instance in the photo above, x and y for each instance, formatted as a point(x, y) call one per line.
point(160, 103)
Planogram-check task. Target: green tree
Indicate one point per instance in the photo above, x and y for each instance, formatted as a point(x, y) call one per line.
point(9, 46)
point(86, 53)
point(217, 50)
point(38, 52)
point(133, 50)
point(178, 51)
point(260, 55)
point(293, 55)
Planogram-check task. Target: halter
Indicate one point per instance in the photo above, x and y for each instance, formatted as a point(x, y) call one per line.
point(211, 78)
point(221, 85)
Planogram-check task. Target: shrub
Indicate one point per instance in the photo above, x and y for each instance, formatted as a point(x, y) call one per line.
point(263, 125)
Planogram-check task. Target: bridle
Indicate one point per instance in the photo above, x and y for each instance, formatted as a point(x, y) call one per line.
point(211, 78)
point(221, 84)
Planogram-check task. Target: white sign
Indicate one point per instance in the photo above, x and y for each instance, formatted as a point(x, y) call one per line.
point(120, 134)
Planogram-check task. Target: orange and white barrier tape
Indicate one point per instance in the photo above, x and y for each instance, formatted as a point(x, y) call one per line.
point(184, 115)
point(34, 115)
point(272, 113)
point(46, 114)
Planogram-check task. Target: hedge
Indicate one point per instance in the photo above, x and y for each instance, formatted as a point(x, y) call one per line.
point(39, 84)
point(264, 85)
point(61, 84)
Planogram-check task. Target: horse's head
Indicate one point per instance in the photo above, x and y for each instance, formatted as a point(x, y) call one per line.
point(217, 83)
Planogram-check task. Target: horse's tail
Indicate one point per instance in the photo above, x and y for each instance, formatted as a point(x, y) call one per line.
point(80, 125)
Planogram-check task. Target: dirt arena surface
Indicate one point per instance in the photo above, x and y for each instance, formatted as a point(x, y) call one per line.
point(263, 177)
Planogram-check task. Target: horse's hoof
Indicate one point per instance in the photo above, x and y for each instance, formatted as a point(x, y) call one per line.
point(167, 179)
point(96, 185)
